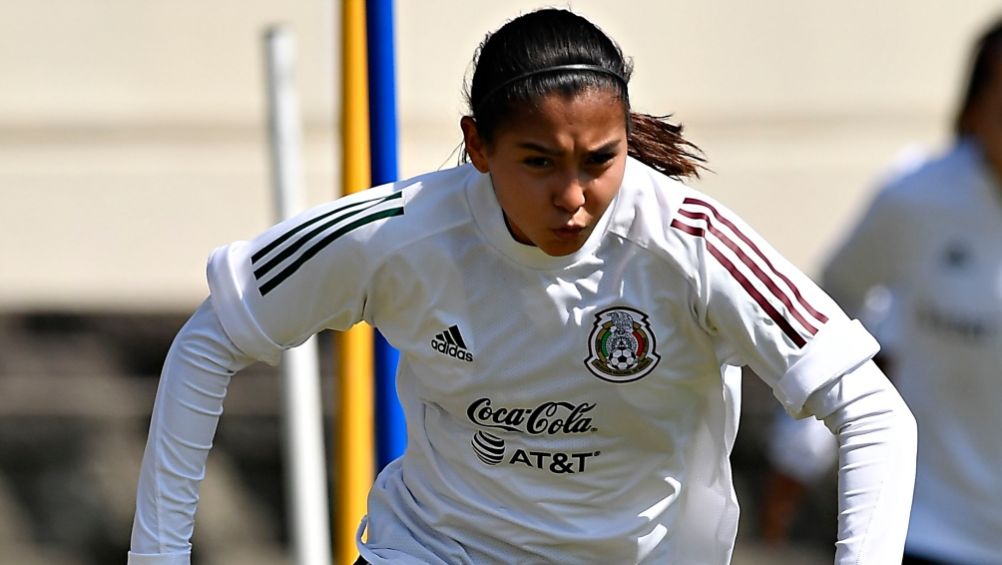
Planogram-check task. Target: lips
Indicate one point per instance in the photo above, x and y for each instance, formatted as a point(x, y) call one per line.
point(569, 232)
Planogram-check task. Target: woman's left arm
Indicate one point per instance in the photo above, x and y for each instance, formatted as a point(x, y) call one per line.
point(876, 473)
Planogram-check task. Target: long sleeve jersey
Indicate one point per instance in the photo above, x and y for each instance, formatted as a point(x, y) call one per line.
point(570, 409)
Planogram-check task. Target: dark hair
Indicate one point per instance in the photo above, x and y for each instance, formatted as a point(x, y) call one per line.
point(511, 70)
point(983, 63)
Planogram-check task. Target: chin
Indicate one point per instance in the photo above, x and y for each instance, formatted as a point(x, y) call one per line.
point(560, 249)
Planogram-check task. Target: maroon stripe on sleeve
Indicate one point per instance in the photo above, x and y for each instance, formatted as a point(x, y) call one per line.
point(783, 324)
point(793, 288)
point(691, 230)
point(755, 268)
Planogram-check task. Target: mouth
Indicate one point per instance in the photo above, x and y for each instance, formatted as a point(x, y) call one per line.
point(569, 232)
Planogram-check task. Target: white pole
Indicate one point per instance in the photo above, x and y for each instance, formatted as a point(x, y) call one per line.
point(306, 476)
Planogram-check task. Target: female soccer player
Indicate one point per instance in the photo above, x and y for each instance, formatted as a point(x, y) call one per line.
point(572, 320)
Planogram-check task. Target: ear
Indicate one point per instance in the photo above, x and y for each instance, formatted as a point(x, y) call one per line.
point(475, 146)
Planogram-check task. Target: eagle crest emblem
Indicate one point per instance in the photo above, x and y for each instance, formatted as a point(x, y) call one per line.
point(621, 346)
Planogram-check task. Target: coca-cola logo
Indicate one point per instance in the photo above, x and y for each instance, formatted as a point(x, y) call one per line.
point(551, 417)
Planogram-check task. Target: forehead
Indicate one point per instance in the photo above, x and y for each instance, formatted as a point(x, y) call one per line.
point(589, 113)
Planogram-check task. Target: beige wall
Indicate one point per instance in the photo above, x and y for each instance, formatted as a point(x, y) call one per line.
point(132, 139)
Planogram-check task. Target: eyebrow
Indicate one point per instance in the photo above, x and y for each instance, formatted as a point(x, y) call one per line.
point(532, 146)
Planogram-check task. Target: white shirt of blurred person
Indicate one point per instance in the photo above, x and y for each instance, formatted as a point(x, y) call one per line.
point(933, 238)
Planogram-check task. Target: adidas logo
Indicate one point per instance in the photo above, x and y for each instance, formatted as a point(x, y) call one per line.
point(451, 343)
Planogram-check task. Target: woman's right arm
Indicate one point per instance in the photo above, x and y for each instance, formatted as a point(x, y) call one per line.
point(301, 276)
point(188, 404)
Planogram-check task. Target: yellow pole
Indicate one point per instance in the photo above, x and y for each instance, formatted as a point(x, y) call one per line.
point(354, 455)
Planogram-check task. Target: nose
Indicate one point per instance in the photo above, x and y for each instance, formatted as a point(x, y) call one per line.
point(569, 194)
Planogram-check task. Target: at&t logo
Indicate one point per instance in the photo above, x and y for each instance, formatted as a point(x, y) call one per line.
point(492, 450)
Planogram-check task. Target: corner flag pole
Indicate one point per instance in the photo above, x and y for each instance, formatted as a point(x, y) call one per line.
point(354, 459)
point(391, 429)
point(302, 413)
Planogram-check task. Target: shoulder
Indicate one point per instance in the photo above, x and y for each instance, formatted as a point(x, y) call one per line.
point(655, 209)
point(363, 227)
point(647, 202)
point(429, 190)
point(390, 215)
point(672, 220)
point(932, 180)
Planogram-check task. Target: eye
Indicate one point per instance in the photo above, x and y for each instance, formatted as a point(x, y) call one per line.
point(537, 162)
point(600, 158)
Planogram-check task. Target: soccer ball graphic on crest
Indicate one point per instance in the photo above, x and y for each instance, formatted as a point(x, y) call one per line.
point(623, 356)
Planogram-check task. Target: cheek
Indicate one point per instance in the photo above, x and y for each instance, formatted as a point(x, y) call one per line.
point(516, 195)
point(608, 187)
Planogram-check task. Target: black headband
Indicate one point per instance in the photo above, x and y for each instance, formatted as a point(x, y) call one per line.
point(556, 68)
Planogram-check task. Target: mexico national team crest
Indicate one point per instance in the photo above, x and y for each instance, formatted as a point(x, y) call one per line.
point(621, 346)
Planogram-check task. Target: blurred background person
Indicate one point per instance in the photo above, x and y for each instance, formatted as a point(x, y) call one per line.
point(924, 267)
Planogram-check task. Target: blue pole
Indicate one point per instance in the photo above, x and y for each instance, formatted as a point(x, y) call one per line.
point(391, 429)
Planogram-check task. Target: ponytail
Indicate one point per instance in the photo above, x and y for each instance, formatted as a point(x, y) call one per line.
point(659, 144)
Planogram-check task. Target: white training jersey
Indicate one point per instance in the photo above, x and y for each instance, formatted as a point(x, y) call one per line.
point(933, 237)
point(574, 409)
